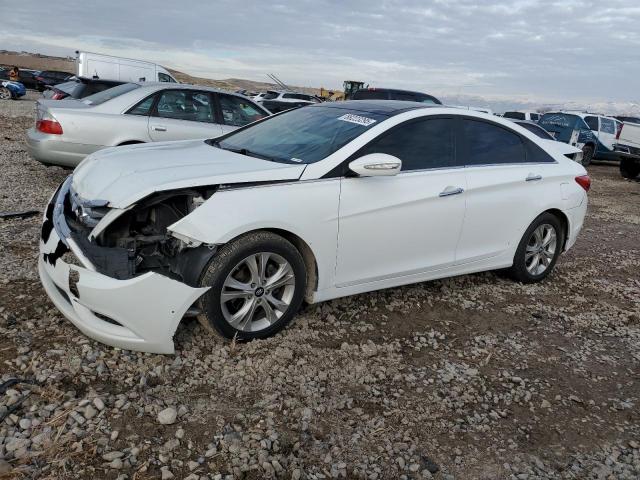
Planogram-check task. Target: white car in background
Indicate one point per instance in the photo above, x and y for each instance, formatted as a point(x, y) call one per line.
point(68, 130)
point(523, 115)
point(312, 204)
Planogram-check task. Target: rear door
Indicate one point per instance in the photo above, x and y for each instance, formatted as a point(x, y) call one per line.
point(606, 135)
point(506, 182)
point(235, 112)
point(183, 114)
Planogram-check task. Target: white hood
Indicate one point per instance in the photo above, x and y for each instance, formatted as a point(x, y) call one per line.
point(123, 175)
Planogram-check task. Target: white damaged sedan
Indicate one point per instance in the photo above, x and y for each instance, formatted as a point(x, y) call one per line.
point(312, 204)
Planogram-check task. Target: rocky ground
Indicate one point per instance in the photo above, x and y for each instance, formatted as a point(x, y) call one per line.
point(470, 377)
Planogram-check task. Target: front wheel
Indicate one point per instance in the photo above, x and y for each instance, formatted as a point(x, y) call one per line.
point(538, 249)
point(587, 155)
point(5, 93)
point(629, 168)
point(257, 285)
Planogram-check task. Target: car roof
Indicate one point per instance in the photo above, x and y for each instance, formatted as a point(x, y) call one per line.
point(178, 86)
point(382, 107)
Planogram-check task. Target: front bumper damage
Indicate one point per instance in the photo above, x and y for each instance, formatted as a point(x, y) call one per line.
point(140, 313)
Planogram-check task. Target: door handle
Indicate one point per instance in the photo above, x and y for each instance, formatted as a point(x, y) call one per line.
point(451, 191)
point(533, 177)
point(159, 128)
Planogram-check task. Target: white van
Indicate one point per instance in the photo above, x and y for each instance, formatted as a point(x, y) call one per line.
point(108, 67)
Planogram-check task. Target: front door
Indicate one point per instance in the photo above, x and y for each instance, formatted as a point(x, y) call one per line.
point(406, 224)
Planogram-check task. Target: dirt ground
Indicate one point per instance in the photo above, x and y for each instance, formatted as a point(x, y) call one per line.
point(470, 377)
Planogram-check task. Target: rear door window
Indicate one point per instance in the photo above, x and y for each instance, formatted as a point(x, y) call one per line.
point(592, 123)
point(607, 125)
point(420, 144)
point(491, 144)
point(186, 105)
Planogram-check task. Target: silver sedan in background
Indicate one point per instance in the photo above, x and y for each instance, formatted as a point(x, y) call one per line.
point(66, 131)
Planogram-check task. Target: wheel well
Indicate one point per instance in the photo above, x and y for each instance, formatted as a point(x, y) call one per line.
point(564, 221)
point(309, 258)
point(129, 142)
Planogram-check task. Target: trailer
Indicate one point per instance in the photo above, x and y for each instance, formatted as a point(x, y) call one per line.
point(108, 67)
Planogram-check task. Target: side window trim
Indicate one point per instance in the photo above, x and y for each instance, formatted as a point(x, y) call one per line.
point(151, 109)
point(342, 169)
point(527, 145)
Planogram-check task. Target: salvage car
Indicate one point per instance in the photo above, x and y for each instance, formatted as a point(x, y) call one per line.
point(594, 134)
point(68, 130)
point(11, 90)
point(312, 204)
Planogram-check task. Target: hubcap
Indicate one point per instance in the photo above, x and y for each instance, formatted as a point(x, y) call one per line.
point(257, 292)
point(541, 249)
point(5, 93)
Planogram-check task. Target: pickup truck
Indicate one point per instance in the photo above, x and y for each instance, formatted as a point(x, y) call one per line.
point(627, 146)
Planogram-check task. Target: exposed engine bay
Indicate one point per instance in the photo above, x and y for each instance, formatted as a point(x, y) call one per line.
point(137, 241)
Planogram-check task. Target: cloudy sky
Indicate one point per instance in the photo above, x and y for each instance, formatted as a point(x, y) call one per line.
point(531, 50)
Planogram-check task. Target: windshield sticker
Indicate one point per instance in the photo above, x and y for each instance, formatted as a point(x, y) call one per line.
point(357, 119)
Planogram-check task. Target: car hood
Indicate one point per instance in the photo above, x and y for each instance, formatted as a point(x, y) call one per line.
point(123, 175)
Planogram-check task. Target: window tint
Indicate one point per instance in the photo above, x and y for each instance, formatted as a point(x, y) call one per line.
point(144, 107)
point(536, 130)
point(419, 144)
point(163, 77)
point(535, 117)
point(515, 115)
point(238, 111)
point(490, 144)
point(592, 122)
point(185, 105)
point(370, 95)
point(607, 125)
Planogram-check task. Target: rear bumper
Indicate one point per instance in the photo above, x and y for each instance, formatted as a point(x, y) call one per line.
point(50, 149)
point(141, 313)
point(576, 217)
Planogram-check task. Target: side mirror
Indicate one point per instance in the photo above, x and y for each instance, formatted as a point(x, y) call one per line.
point(376, 165)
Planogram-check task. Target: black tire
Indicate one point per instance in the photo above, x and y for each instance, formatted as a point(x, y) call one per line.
point(629, 168)
point(519, 270)
point(226, 260)
point(587, 155)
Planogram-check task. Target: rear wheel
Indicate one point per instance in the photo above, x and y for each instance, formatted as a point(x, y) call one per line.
point(538, 249)
point(257, 284)
point(5, 93)
point(629, 168)
point(587, 154)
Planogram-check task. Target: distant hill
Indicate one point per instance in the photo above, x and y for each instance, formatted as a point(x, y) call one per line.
point(36, 61)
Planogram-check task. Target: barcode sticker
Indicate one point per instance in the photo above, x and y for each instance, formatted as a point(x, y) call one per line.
point(351, 118)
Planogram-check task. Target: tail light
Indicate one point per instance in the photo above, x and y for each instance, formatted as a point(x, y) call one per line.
point(584, 181)
point(620, 125)
point(58, 96)
point(47, 123)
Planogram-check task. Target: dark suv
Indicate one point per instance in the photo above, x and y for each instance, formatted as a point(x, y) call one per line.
point(392, 94)
point(51, 77)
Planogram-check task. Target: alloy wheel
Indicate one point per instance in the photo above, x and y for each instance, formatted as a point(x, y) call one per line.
point(5, 93)
point(541, 249)
point(257, 292)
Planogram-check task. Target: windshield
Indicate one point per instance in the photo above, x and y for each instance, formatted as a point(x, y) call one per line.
point(305, 135)
point(101, 97)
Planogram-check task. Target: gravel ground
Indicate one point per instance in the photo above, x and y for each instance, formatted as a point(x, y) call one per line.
point(470, 377)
